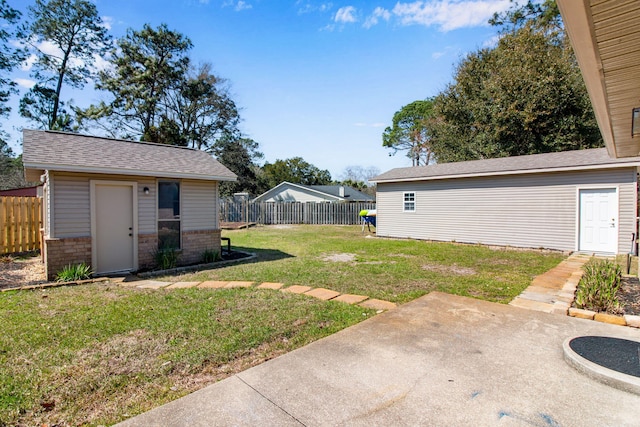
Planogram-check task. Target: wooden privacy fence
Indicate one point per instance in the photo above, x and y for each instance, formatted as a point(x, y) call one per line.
point(293, 213)
point(20, 222)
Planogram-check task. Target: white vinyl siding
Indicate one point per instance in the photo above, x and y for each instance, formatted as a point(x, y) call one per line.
point(291, 194)
point(529, 210)
point(200, 205)
point(71, 206)
point(69, 194)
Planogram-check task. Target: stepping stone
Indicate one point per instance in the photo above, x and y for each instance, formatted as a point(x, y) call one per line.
point(151, 284)
point(350, 298)
point(532, 305)
point(239, 285)
point(269, 285)
point(179, 285)
point(213, 284)
point(322, 293)
point(378, 304)
point(296, 289)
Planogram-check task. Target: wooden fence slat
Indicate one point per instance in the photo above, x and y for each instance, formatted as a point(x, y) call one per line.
point(293, 213)
point(20, 222)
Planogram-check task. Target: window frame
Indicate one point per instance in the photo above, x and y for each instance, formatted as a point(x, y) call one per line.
point(406, 202)
point(179, 216)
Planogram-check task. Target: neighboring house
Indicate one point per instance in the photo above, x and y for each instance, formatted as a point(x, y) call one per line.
point(288, 192)
point(113, 203)
point(575, 200)
point(22, 192)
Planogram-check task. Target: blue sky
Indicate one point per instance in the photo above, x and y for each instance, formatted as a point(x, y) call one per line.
point(315, 79)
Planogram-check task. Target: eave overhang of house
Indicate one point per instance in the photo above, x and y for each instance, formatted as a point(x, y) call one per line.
point(37, 169)
point(631, 164)
point(605, 36)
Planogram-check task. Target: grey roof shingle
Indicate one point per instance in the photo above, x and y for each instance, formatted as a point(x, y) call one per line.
point(548, 162)
point(350, 193)
point(61, 151)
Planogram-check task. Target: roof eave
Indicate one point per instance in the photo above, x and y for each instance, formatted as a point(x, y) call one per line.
point(136, 172)
point(512, 172)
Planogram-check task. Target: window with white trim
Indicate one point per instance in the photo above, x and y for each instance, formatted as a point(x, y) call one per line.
point(409, 202)
point(168, 215)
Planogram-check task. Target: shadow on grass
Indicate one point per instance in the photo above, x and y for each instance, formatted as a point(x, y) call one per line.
point(263, 255)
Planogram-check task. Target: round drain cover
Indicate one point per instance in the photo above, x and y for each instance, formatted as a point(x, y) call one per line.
point(613, 353)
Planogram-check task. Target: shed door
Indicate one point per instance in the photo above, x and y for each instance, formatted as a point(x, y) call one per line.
point(599, 220)
point(114, 228)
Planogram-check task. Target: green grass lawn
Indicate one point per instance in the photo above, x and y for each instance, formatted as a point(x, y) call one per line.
point(388, 269)
point(96, 354)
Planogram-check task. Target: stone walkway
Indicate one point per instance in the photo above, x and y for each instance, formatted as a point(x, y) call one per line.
point(553, 291)
point(320, 293)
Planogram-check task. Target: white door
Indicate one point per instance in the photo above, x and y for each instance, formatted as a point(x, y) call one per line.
point(598, 220)
point(114, 228)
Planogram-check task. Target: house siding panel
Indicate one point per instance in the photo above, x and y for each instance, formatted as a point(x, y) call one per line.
point(71, 203)
point(201, 198)
point(529, 210)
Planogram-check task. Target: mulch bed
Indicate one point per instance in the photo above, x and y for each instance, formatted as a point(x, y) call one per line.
point(629, 295)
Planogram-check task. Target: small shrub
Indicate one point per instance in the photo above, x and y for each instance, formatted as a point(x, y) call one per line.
point(6, 259)
point(72, 273)
point(599, 286)
point(210, 255)
point(166, 258)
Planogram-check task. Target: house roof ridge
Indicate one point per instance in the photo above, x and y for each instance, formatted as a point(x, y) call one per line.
point(107, 138)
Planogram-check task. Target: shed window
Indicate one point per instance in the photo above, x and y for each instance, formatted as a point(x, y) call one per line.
point(168, 215)
point(409, 202)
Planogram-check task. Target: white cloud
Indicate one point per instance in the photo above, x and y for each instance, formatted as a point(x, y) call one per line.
point(308, 7)
point(107, 22)
point(242, 5)
point(374, 18)
point(492, 42)
point(346, 15)
point(449, 15)
point(25, 83)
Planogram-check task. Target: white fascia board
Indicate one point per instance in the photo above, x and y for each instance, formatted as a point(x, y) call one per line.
point(136, 172)
point(514, 172)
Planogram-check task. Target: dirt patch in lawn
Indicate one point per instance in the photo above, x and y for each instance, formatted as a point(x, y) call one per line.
point(340, 257)
point(16, 272)
point(449, 269)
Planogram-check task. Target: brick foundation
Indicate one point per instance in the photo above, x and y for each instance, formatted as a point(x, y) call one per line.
point(194, 243)
point(147, 247)
point(59, 253)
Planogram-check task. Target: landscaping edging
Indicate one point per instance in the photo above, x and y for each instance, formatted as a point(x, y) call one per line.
point(250, 256)
point(625, 320)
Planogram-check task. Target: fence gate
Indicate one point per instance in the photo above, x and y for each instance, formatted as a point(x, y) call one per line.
point(20, 222)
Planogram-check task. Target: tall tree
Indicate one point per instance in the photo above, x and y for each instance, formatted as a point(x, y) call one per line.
point(202, 108)
point(295, 170)
point(78, 35)
point(410, 132)
point(9, 56)
point(241, 156)
point(37, 105)
point(148, 64)
point(524, 96)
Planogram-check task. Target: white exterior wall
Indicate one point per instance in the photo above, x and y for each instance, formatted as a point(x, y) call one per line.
point(199, 205)
point(529, 210)
point(71, 213)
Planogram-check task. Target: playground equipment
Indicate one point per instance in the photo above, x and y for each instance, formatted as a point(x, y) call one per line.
point(368, 218)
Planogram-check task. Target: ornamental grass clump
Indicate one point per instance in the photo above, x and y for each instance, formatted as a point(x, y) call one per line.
point(72, 273)
point(599, 286)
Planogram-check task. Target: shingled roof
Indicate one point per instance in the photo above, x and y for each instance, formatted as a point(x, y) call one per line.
point(595, 158)
point(61, 151)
